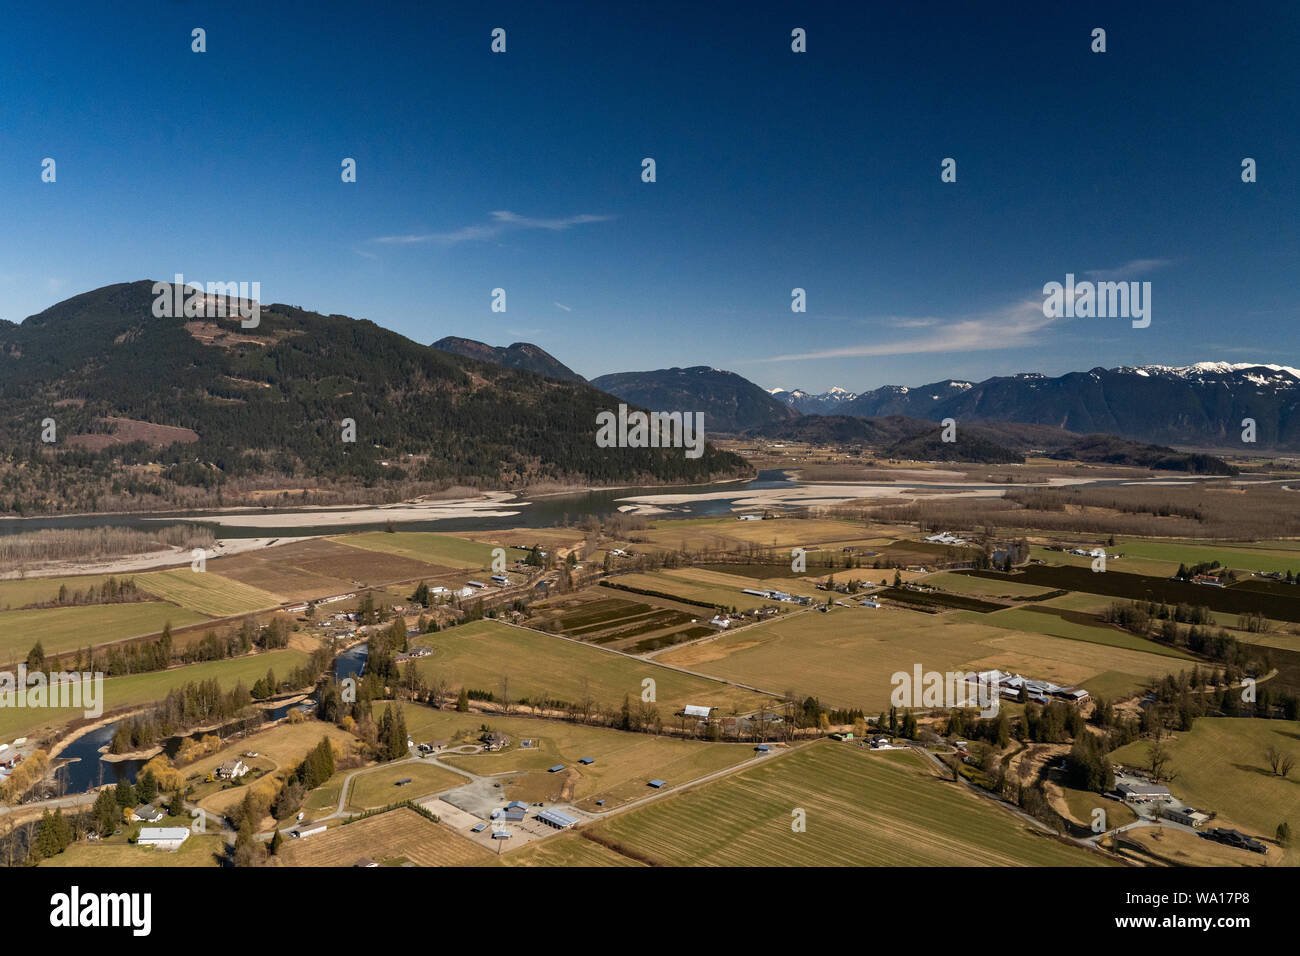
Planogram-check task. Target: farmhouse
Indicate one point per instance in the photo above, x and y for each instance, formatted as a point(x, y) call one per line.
point(493, 740)
point(232, 769)
point(720, 621)
point(147, 813)
point(165, 838)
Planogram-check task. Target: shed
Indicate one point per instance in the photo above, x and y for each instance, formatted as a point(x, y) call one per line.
point(554, 818)
point(658, 784)
point(556, 769)
point(586, 760)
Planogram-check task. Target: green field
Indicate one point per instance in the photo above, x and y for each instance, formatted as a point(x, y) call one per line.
point(983, 587)
point(848, 656)
point(862, 809)
point(445, 550)
point(61, 629)
point(1239, 557)
point(1221, 767)
point(477, 655)
point(1024, 619)
point(624, 761)
point(137, 689)
point(378, 787)
point(19, 593)
point(209, 594)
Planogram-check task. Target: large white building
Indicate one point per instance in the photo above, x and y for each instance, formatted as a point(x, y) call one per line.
point(165, 838)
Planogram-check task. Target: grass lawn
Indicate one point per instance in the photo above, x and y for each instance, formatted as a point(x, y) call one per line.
point(446, 550)
point(137, 689)
point(477, 655)
point(206, 593)
point(862, 809)
point(1221, 767)
point(378, 787)
point(61, 629)
point(624, 762)
point(201, 849)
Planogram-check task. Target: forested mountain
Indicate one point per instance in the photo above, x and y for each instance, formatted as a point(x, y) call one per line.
point(520, 355)
point(271, 402)
point(729, 402)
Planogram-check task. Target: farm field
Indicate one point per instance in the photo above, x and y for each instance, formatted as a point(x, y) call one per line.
point(201, 849)
point(207, 593)
point(478, 655)
point(624, 761)
point(61, 629)
point(914, 819)
point(378, 788)
point(1127, 564)
point(1221, 767)
point(714, 588)
point(391, 839)
point(1075, 626)
point(848, 656)
point(570, 849)
point(1279, 604)
point(319, 567)
point(991, 588)
point(15, 593)
point(629, 623)
point(729, 533)
point(137, 689)
point(445, 550)
point(1242, 557)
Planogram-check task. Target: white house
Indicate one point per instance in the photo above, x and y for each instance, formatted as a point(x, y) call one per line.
point(147, 813)
point(232, 769)
point(720, 621)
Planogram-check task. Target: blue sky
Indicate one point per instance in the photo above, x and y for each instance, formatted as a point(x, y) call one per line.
point(775, 170)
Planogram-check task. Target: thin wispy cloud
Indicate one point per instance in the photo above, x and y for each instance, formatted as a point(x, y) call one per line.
point(1129, 270)
point(499, 222)
point(561, 305)
point(1011, 327)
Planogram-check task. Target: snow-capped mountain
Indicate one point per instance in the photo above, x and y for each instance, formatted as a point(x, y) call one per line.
point(809, 403)
point(1200, 404)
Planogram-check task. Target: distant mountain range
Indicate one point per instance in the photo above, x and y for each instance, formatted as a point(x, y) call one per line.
point(825, 403)
point(1202, 404)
